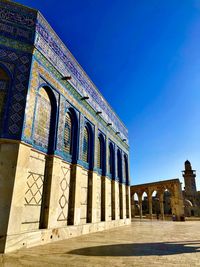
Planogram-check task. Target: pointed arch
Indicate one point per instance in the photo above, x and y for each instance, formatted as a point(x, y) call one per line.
point(111, 159)
point(88, 145)
point(119, 166)
point(70, 140)
point(101, 153)
point(126, 173)
point(45, 119)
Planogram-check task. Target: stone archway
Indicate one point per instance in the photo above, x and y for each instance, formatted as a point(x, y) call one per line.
point(175, 196)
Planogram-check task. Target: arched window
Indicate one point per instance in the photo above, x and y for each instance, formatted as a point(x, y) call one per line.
point(68, 134)
point(111, 160)
point(4, 84)
point(86, 145)
point(119, 165)
point(42, 119)
point(126, 169)
point(99, 153)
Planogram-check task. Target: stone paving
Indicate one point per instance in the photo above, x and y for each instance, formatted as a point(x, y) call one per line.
point(143, 243)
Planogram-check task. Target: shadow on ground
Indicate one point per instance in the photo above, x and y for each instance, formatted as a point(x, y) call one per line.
point(140, 249)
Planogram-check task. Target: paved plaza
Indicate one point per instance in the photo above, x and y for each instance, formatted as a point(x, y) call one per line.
point(143, 243)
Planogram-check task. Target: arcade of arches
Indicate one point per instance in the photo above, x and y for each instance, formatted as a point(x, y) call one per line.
point(162, 198)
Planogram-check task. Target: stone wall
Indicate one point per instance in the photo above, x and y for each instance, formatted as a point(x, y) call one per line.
point(39, 209)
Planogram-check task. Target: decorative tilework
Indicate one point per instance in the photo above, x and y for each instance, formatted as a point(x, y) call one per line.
point(10, 43)
point(56, 52)
point(111, 160)
point(116, 163)
point(30, 105)
point(67, 134)
point(19, 66)
point(9, 66)
point(82, 121)
point(61, 123)
point(85, 145)
point(4, 85)
point(52, 76)
point(17, 22)
point(42, 119)
point(99, 153)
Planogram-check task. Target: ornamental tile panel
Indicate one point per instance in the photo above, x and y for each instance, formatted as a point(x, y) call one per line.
point(51, 46)
point(19, 66)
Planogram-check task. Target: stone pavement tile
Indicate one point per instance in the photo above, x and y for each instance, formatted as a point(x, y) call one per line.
point(143, 243)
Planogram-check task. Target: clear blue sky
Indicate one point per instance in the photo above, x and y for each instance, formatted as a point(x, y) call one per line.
point(144, 56)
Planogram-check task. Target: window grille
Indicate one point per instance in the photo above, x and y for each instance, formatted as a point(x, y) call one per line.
point(99, 153)
point(42, 119)
point(85, 145)
point(126, 168)
point(67, 134)
point(110, 159)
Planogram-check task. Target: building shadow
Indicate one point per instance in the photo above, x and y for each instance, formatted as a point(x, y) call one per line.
point(140, 249)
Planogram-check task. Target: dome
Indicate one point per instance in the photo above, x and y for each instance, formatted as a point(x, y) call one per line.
point(187, 162)
point(188, 165)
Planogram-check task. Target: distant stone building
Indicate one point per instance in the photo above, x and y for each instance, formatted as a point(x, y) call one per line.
point(169, 198)
point(64, 153)
point(190, 193)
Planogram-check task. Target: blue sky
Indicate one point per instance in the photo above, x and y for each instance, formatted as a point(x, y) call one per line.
point(144, 56)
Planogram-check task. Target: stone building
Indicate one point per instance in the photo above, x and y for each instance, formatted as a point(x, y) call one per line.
point(163, 198)
point(169, 198)
point(64, 153)
point(190, 193)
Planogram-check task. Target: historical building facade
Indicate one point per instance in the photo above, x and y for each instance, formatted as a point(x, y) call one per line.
point(64, 153)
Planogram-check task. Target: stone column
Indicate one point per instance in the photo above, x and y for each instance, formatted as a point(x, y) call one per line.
point(124, 200)
point(76, 210)
point(108, 199)
point(150, 207)
point(177, 205)
point(128, 203)
point(116, 199)
point(94, 194)
point(140, 205)
point(103, 198)
point(132, 208)
point(161, 207)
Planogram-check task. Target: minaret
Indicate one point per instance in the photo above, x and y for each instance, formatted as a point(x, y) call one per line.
point(189, 176)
